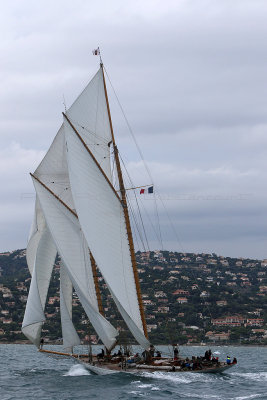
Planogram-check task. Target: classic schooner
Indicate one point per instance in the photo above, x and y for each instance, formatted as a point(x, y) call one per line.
point(82, 217)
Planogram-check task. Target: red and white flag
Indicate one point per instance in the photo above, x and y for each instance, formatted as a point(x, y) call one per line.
point(96, 52)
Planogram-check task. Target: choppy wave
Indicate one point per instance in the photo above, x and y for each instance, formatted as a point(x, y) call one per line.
point(77, 370)
point(254, 376)
point(27, 375)
point(181, 377)
point(251, 396)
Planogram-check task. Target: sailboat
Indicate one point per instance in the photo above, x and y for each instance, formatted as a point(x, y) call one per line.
point(81, 216)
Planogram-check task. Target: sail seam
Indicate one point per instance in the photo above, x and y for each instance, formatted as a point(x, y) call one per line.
point(93, 157)
point(97, 289)
point(53, 194)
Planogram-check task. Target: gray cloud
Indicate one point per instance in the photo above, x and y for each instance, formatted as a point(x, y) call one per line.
point(192, 79)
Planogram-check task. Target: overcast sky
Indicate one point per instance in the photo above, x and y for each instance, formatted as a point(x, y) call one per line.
point(192, 78)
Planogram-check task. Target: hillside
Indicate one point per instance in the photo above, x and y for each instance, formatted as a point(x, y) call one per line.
point(188, 298)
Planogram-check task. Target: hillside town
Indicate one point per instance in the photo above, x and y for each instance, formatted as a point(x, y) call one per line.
point(188, 298)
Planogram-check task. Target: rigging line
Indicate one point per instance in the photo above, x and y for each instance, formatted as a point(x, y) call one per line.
point(101, 138)
point(139, 150)
point(138, 208)
point(142, 222)
point(139, 211)
point(134, 217)
point(57, 197)
point(171, 224)
point(157, 214)
point(129, 127)
point(159, 238)
point(136, 225)
point(149, 219)
point(93, 157)
point(183, 250)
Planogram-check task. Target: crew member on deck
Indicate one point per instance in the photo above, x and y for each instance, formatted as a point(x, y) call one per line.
point(158, 354)
point(151, 350)
point(175, 352)
point(101, 355)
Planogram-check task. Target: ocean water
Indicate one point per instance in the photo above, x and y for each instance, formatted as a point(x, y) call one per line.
point(26, 374)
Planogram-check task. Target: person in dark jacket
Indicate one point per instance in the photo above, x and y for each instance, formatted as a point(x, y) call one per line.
point(175, 352)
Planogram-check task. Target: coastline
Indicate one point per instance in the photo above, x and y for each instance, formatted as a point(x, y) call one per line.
point(184, 345)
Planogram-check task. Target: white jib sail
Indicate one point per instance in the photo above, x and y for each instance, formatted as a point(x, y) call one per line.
point(73, 249)
point(37, 229)
point(89, 115)
point(34, 313)
point(69, 334)
point(102, 220)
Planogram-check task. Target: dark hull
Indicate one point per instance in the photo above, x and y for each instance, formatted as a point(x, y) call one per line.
point(106, 367)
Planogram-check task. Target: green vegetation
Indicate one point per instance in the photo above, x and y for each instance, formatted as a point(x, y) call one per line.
point(188, 298)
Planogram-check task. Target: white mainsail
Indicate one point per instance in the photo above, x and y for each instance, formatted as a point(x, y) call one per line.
point(75, 177)
point(73, 249)
point(69, 334)
point(102, 221)
point(43, 266)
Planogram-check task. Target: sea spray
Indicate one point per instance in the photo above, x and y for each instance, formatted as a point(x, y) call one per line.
point(77, 370)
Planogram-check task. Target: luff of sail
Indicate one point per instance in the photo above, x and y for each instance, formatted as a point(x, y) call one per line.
point(43, 266)
point(37, 229)
point(69, 334)
point(89, 115)
point(102, 220)
point(73, 249)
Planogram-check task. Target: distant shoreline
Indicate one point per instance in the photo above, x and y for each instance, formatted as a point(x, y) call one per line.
point(183, 345)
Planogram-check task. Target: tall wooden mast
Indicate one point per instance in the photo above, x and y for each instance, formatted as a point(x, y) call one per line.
point(126, 212)
point(97, 289)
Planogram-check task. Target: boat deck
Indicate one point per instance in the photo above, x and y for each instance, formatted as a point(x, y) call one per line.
point(105, 366)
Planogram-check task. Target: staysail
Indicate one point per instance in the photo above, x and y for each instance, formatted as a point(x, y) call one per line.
point(37, 229)
point(73, 249)
point(43, 266)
